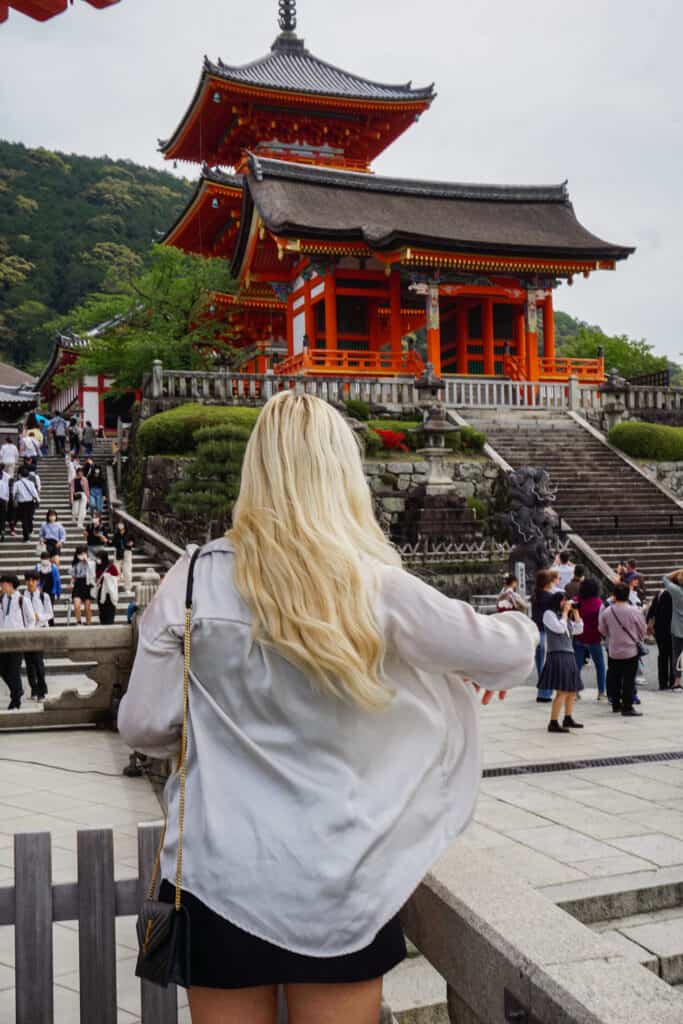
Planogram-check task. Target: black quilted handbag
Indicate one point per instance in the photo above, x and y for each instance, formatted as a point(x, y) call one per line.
point(163, 929)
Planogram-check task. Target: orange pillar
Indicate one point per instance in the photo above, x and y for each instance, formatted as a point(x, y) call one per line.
point(331, 310)
point(461, 337)
point(395, 314)
point(433, 329)
point(520, 335)
point(309, 316)
point(532, 336)
point(487, 335)
point(548, 327)
point(290, 325)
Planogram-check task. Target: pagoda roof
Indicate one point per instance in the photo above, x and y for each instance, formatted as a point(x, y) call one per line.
point(296, 201)
point(290, 67)
point(301, 78)
point(195, 227)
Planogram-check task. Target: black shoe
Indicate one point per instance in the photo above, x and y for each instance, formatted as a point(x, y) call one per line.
point(616, 708)
point(554, 726)
point(14, 705)
point(632, 713)
point(569, 723)
point(544, 700)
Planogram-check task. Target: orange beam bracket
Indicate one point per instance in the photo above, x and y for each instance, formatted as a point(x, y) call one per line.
point(433, 328)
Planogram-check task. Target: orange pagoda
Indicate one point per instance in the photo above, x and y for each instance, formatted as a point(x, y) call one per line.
point(342, 272)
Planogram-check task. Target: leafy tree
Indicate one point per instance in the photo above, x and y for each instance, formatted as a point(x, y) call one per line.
point(56, 208)
point(630, 356)
point(157, 316)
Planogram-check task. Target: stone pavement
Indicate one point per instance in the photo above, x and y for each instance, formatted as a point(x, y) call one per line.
point(36, 798)
point(568, 832)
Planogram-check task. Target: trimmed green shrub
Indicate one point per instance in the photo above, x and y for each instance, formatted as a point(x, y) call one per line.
point(173, 432)
point(648, 441)
point(471, 439)
point(357, 409)
point(372, 442)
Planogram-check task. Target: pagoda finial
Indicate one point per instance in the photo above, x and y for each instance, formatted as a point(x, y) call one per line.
point(287, 15)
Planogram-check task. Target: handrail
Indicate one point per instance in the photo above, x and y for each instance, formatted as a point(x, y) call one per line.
point(151, 535)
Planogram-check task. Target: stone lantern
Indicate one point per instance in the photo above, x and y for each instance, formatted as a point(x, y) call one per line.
point(435, 425)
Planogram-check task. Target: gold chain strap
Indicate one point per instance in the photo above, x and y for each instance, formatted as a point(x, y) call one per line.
point(182, 769)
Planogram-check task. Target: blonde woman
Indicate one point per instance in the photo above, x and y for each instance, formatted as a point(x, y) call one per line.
point(333, 747)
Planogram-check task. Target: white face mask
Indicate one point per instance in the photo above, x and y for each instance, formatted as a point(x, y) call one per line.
point(45, 566)
point(83, 558)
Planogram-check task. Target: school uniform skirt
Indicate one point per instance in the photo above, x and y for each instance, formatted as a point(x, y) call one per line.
point(224, 956)
point(560, 673)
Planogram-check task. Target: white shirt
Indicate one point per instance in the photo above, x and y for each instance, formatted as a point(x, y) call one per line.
point(309, 821)
point(16, 612)
point(9, 454)
point(29, 446)
point(71, 468)
point(41, 606)
point(5, 483)
point(25, 490)
point(566, 573)
point(556, 624)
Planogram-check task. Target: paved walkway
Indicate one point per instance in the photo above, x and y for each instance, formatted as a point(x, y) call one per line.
point(566, 832)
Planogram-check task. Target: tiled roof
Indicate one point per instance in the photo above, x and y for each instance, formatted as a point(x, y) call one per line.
point(385, 213)
point(291, 67)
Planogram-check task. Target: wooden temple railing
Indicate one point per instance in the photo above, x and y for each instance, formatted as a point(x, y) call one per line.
point(556, 369)
point(341, 362)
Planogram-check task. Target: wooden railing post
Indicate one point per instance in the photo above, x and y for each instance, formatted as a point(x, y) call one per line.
point(33, 928)
point(96, 926)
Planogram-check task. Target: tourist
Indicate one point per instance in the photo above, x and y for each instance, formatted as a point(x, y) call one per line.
point(52, 534)
point(82, 584)
point(80, 496)
point(107, 576)
point(540, 602)
point(561, 623)
point(42, 610)
point(9, 455)
point(123, 543)
point(574, 585)
point(88, 437)
point(15, 613)
point(26, 501)
point(509, 599)
point(96, 484)
point(88, 466)
point(74, 437)
point(588, 643)
point(565, 568)
point(555, 584)
point(378, 667)
point(58, 427)
point(5, 501)
point(50, 580)
point(623, 626)
point(659, 625)
point(72, 464)
point(674, 584)
point(29, 450)
point(95, 535)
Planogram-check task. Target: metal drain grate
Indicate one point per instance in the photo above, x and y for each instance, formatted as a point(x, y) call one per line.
point(571, 766)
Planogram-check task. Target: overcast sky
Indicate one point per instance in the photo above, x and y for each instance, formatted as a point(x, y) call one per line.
point(534, 91)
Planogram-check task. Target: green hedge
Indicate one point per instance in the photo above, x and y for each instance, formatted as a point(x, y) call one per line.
point(464, 439)
point(357, 409)
point(174, 432)
point(412, 441)
point(648, 441)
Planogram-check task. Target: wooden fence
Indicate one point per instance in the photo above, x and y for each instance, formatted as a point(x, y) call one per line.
point(95, 901)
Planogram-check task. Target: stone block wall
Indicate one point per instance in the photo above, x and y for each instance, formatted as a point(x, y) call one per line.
point(392, 481)
point(668, 474)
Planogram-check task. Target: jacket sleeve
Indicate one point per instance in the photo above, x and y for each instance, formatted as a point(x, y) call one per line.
point(151, 713)
point(440, 635)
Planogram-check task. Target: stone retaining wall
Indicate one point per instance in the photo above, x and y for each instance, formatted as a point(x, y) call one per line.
point(392, 481)
point(668, 474)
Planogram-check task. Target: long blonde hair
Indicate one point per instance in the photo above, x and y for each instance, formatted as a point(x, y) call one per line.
point(306, 543)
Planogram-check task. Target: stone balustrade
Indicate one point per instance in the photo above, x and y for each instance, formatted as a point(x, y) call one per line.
point(507, 953)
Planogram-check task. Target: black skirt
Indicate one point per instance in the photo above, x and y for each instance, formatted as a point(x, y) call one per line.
point(224, 956)
point(81, 589)
point(560, 673)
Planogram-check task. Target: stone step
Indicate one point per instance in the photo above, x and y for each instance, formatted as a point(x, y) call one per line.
point(653, 939)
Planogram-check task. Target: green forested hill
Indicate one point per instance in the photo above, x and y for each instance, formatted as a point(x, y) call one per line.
point(69, 226)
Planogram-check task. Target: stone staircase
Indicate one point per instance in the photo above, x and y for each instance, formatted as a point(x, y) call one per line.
point(15, 556)
point(615, 509)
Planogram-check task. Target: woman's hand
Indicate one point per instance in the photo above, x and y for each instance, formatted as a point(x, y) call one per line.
point(488, 694)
